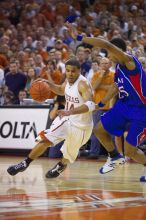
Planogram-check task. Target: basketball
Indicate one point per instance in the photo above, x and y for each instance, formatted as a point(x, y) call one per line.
point(39, 91)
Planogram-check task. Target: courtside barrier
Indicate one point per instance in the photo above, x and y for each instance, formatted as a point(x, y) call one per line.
point(19, 125)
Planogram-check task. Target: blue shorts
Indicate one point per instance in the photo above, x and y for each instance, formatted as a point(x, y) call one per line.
point(117, 118)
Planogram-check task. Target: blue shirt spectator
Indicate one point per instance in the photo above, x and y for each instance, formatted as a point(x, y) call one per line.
point(14, 80)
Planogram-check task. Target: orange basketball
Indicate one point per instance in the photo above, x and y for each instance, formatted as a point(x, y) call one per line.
point(39, 91)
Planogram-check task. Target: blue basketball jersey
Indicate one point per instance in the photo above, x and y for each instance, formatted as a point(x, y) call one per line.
point(131, 106)
point(131, 84)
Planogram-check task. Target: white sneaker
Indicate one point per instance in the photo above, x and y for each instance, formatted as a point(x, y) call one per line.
point(111, 163)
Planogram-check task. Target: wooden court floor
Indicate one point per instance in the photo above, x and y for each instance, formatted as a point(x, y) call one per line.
point(80, 193)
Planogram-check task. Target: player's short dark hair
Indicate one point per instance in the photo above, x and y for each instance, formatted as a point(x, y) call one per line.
point(120, 43)
point(73, 62)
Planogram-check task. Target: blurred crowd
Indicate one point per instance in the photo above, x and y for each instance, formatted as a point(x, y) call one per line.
point(36, 41)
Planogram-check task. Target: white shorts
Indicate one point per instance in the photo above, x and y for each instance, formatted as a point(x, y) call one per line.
point(62, 129)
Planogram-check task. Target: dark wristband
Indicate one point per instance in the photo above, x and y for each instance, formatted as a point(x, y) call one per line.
point(100, 104)
point(79, 37)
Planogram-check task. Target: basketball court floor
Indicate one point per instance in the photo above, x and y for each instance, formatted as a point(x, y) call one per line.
point(80, 193)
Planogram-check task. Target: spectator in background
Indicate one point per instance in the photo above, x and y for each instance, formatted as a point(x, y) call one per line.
point(3, 90)
point(6, 51)
point(59, 27)
point(24, 69)
point(28, 43)
point(39, 63)
point(2, 78)
point(15, 80)
point(31, 76)
point(48, 12)
point(22, 95)
point(143, 62)
point(52, 54)
point(51, 39)
point(59, 61)
point(95, 55)
point(9, 98)
point(22, 57)
point(94, 69)
point(63, 48)
point(67, 37)
point(31, 64)
point(87, 63)
point(52, 73)
point(1, 95)
point(101, 82)
point(41, 51)
point(84, 60)
point(3, 60)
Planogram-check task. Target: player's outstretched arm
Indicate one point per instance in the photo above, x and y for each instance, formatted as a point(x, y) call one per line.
point(58, 89)
point(115, 53)
point(101, 43)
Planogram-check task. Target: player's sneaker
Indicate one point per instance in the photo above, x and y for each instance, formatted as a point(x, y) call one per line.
point(111, 163)
point(20, 167)
point(143, 178)
point(56, 170)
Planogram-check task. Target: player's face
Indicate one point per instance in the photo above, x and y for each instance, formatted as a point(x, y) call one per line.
point(72, 73)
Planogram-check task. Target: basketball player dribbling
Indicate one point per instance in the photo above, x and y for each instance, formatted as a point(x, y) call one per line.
point(75, 129)
point(130, 84)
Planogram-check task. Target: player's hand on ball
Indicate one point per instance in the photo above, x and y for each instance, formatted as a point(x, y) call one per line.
point(36, 80)
point(40, 80)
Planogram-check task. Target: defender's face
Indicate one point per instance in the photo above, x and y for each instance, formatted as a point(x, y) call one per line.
point(72, 73)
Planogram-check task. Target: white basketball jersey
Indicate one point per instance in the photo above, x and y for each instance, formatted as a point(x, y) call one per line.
point(73, 100)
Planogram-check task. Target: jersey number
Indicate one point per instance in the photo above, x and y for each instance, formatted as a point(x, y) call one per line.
point(69, 107)
point(122, 92)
